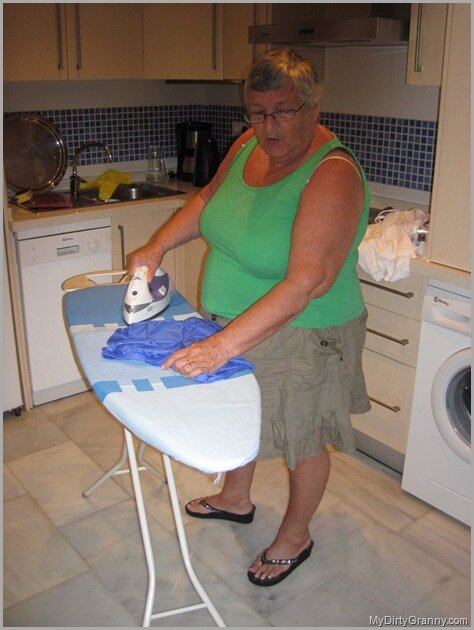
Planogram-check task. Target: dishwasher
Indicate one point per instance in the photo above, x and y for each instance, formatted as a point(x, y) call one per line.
point(46, 257)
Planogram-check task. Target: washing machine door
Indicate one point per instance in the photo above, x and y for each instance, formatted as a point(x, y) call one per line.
point(451, 403)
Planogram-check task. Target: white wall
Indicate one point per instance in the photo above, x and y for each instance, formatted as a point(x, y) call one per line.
point(34, 95)
point(368, 81)
point(371, 81)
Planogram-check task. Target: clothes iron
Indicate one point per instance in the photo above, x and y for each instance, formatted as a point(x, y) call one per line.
point(143, 301)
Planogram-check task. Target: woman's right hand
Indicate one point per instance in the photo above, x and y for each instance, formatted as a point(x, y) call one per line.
point(148, 256)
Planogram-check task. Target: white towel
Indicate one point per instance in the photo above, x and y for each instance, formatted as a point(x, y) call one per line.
point(387, 247)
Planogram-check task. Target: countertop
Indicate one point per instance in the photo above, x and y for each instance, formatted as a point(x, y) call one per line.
point(22, 219)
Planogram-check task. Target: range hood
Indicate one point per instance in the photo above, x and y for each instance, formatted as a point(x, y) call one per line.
point(380, 26)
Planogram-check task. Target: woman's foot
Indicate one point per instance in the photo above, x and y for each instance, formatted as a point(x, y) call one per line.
point(287, 556)
point(215, 507)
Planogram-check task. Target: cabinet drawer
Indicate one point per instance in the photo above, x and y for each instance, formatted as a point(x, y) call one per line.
point(403, 296)
point(393, 335)
point(390, 383)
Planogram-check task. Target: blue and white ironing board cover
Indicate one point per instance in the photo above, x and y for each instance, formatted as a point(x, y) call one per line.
point(213, 427)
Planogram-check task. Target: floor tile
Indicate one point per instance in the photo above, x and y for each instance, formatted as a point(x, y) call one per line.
point(451, 599)
point(79, 602)
point(336, 602)
point(234, 611)
point(229, 549)
point(94, 430)
point(96, 532)
point(386, 567)
point(443, 538)
point(56, 478)
point(12, 488)
point(378, 551)
point(122, 568)
point(379, 495)
point(57, 408)
point(36, 556)
point(31, 432)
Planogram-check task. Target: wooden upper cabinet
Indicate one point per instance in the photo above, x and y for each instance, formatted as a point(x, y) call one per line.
point(34, 42)
point(239, 55)
point(199, 41)
point(449, 238)
point(182, 41)
point(47, 42)
point(105, 41)
point(426, 43)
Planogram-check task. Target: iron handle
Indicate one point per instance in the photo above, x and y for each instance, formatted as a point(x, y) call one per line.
point(60, 38)
point(407, 294)
point(402, 342)
point(394, 408)
point(78, 38)
point(417, 66)
point(121, 229)
point(214, 37)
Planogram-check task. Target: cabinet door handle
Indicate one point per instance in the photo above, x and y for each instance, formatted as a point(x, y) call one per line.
point(214, 37)
point(78, 38)
point(416, 65)
point(121, 229)
point(402, 342)
point(394, 408)
point(407, 294)
point(254, 23)
point(60, 38)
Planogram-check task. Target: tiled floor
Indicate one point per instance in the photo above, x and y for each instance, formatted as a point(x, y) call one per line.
point(70, 561)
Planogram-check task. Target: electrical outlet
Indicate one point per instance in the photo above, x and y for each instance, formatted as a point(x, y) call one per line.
point(238, 127)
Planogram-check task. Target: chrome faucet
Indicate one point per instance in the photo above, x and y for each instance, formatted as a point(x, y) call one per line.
point(75, 179)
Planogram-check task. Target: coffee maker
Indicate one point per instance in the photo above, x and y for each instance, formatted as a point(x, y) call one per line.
point(188, 135)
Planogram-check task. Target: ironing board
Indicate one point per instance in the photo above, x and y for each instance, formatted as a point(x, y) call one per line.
point(213, 427)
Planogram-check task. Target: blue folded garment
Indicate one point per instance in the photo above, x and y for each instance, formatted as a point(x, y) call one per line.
point(154, 341)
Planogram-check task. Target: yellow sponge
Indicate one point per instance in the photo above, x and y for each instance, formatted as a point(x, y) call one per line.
point(24, 197)
point(107, 183)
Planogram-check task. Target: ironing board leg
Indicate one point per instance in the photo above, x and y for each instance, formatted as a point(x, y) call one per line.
point(184, 545)
point(206, 602)
point(143, 527)
point(118, 470)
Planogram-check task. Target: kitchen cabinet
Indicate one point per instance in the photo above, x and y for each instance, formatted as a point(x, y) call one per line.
point(238, 53)
point(12, 397)
point(426, 40)
point(450, 208)
point(389, 362)
point(190, 259)
point(47, 41)
point(133, 225)
point(198, 41)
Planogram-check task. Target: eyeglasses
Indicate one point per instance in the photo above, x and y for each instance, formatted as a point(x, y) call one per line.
point(280, 115)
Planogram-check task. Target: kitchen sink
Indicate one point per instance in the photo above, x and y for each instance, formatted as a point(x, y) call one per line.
point(141, 190)
point(57, 200)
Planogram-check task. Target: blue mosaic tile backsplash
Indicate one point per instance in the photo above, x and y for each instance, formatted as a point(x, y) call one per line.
point(394, 151)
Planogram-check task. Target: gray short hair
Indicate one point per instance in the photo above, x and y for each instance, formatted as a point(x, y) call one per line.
point(283, 66)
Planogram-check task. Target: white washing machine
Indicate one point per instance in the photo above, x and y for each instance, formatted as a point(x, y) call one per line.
point(438, 458)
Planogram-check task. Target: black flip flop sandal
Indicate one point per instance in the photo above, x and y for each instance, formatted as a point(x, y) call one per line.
point(221, 514)
point(292, 563)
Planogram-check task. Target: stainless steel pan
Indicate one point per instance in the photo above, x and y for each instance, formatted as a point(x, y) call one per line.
point(34, 154)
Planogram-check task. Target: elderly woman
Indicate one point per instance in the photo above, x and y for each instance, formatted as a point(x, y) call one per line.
point(283, 217)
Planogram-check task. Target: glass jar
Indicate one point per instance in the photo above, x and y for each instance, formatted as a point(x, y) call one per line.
point(156, 168)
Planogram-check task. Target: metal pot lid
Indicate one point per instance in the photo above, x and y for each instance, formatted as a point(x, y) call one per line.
point(34, 154)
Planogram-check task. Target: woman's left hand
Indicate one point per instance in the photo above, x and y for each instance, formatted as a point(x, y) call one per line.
point(202, 357)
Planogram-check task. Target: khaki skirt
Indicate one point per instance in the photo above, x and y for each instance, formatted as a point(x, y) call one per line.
point(311, 380)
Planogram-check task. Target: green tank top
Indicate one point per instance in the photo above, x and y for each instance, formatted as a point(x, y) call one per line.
point(248, 230)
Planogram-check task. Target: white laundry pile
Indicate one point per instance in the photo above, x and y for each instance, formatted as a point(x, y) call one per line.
point(387, 247)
